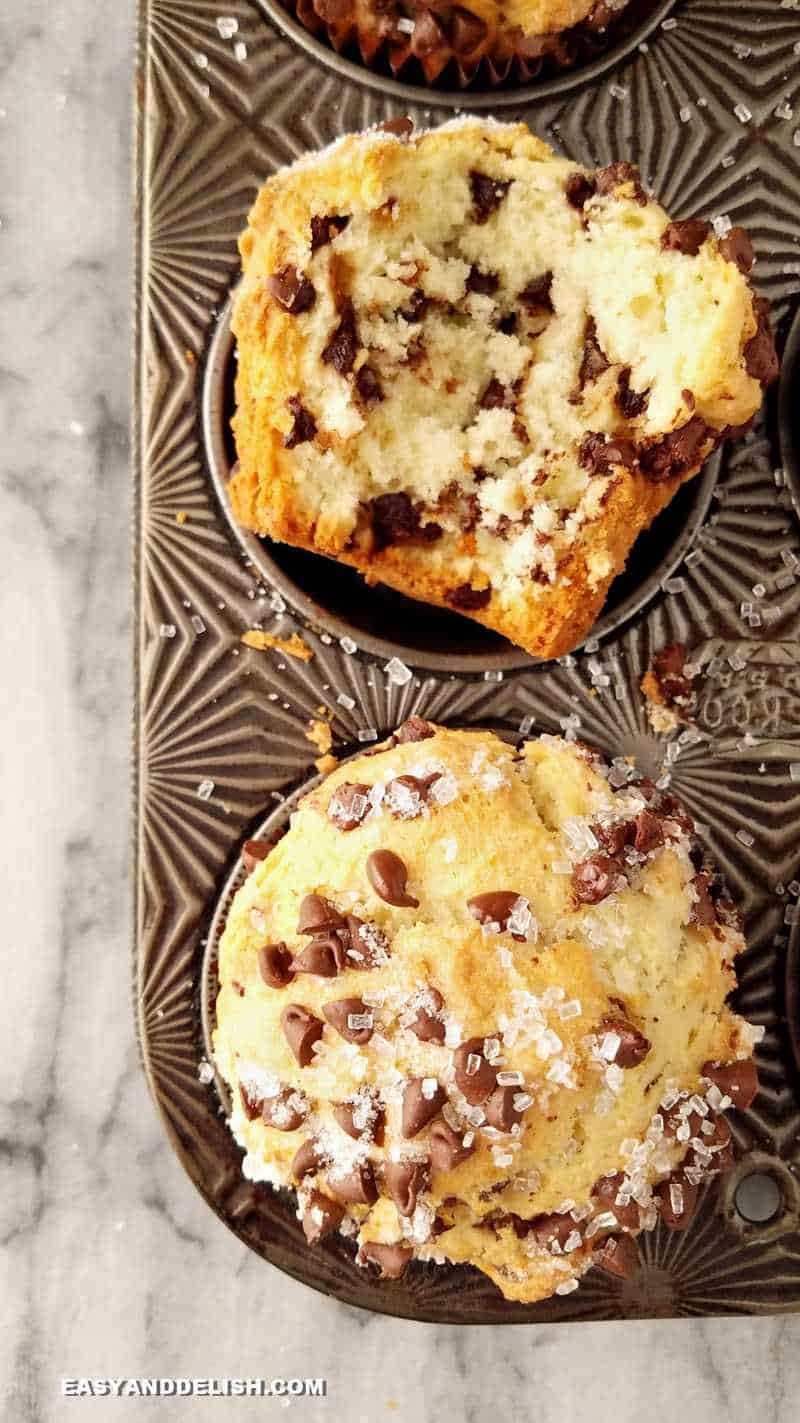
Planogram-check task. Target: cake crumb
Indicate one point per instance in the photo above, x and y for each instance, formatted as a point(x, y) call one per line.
point(293, 646)
point(181, 517)
point(320, 735)
point(667, 689)
point(325, 764)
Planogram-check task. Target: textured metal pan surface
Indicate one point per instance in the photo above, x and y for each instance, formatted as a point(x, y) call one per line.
point(221, 729)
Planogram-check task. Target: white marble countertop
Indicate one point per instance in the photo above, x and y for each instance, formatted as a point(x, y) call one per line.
point(114, 1266)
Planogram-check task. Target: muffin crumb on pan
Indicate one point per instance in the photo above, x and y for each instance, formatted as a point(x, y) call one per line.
point(511, 1050)
point(475, 371)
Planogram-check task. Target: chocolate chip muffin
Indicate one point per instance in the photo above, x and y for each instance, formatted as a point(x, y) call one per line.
point(472, 1008)
point(460, 42)
point(475, 371)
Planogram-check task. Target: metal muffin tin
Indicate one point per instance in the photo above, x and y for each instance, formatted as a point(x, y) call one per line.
point(220, 744)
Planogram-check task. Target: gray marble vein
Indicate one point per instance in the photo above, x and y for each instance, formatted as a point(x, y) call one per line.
point(111, 1263)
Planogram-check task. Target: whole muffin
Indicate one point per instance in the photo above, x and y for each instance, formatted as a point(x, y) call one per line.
point(472, 1009)
point(476, 371)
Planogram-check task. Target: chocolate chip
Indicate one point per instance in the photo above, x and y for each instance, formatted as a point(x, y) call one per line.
point(291, 290)
point(307, 1160)
point(736, 247)
point(275, 965)
point(536, 296)
point(631, 402)
point(321, 1215)
point(391, 1260)
point(254, 851)
point(426, 1026)
point(633, 1047)
point(349, 805)
point(368, 385)
point(497, 397)
point(738, 1080)
point(614, 838)
point(508, 323)
point(594, 360)
point(324, 229)
point(760, 359)
point(467, 30)
point(677, 1202)
point(614, 175)
point(251, 1103)
point(468, 599)
point(388, 876)
point(322, 957)
point(649, 832)
point(339, 1014)
point(703, 910)
point(676, 452)
point(417, 308)
point(356, 1187)
point(317, 915)
point(500, 1110)
point(599, 454)
point(618, 1255)
point(371, 1122)
point(406, 1181)
point(342, 347)
point(368, 946)
point(447, 1147)
point(669, 670)
point(494, 907)
point(301, 1030)
point(482, 283)
point(423, 1099)
point(394, 519)
point(304, 427)
point(606, 1191)
point(595, 878)
point(400, 127)
point(687, 236)
point(550, 1230)
point(487, 195)
point(475, 1077)
point(406, 796)
point(285, 1112)
point(414, 729)
point(579, 188)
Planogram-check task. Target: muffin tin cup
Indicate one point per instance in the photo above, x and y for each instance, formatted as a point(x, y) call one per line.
point(221, 733)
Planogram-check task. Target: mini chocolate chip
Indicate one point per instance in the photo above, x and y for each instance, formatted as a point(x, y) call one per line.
point(614, 838)
point(321, 1215)
point(595, 879)
point(649, 832)
point(324, 229)
point(536, 297)
point(675, 452)
point(291, 290)
point(552, 1229)
point(304, 427)
point(760, 359)
point(406, 1180)
point(356, 1187)
point(631, 402)
point(415, 728)
point(394, 519)
point(417, 308)
point(348, 805)
point(579, 188)
point(419, 1108)
point(340, 1011)
point(606, 1191)
point(275, 965)
point(307, 1160)
point(618, 1255)
point(391, 1260)
point(427, 1027)
point(368, 385)
point(342, 347)
point(703, 911)
point(599, 454)
point(634, 1046)
point(388, 876)
point(251, 1103)
point(482, 283)
point(497, 397)
point(317, 915)
point(614, 175)
point(677, 1202)
point(400, 127)
point(254, 851)
point(736, 247)
point(487, 195)
point(594, 360)
point(372, 1128)
point(500, 1110)
point(406, 796)
point(738, 1080)
point(687, 236)
point(475, 1077)
point(238, 987)
point(508, 323)
point(301, 1030)
point(321, 957)
point(467, 30)
point(494, 907)
point(447, 1146)
point(286, 1112)
point(369, 944)
point(468, 599)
